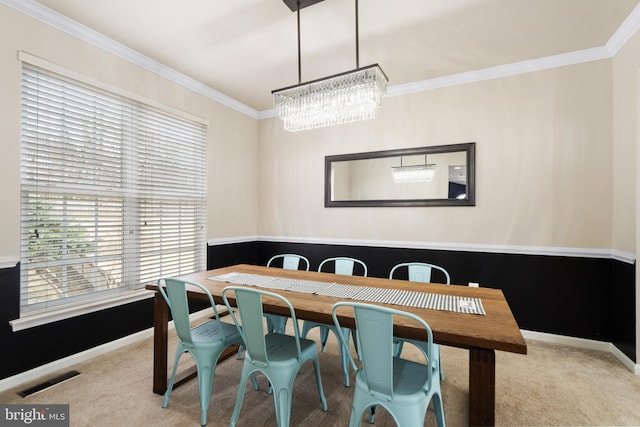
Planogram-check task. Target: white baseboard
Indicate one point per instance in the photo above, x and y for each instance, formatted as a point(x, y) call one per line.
point(586, 344)
point(57, 365)
point(84, 356)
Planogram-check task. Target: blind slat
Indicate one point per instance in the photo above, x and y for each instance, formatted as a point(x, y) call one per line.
point(113, 192)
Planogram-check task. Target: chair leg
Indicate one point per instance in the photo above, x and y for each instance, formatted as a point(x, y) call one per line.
point(344, 361)
point(436, 349)
point(324, 332)
point(205, 383)
point(244, 376)
point(280, 325)
point(397, 348)
point(355, 342)
point(438, 409)
point(323, 399)
point(354, 419)
point(282, 402)
point(324, 336)
point(167, 393)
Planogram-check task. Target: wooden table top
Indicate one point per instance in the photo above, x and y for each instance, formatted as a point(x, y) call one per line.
point(497, 330)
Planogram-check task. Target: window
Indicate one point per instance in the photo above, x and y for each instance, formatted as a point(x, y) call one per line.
point(113, 192)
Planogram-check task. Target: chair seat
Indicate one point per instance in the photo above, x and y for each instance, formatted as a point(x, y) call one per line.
point(208, 333)
point(283, 347)
point(408, 376)
point(436, 350)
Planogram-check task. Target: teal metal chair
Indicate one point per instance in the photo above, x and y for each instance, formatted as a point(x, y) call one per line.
point(420, 272)
point(205, 342)
point(403, 387)
point(344, 266)
point(277, 323)
point(277, 356)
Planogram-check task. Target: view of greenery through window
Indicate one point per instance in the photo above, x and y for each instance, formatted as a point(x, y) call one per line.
point(51, 242)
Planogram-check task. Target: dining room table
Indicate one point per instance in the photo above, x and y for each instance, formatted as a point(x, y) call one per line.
point(475, 318)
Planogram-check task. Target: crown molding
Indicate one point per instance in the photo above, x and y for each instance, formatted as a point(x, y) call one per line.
point(624, 32)
point(507, 70)
point(86, 34)
point(63, 23)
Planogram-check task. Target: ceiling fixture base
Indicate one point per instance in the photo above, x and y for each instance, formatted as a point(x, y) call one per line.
point(293, 4)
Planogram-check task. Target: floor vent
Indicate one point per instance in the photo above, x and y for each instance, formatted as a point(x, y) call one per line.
point(49, 383)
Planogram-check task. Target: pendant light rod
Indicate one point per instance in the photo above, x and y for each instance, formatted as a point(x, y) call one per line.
point(357, 39)
point(299, 62)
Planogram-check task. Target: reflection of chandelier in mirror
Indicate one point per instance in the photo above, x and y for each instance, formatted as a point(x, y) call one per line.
point(414, 173)
point(341, 98)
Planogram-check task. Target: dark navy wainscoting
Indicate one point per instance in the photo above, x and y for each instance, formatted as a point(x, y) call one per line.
point(24, 350)
point(592, 298)
point(579, 297)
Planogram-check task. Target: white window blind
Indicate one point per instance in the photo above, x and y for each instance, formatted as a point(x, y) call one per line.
point(113, 192)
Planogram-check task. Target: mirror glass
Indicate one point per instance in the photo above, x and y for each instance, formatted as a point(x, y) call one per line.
point(442, 175)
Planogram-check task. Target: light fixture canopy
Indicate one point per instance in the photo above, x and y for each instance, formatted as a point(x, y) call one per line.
point(341, 98)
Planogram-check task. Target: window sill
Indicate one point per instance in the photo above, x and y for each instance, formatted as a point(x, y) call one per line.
point(33, 320)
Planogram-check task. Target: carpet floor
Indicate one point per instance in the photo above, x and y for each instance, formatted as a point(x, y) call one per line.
point(553, 385)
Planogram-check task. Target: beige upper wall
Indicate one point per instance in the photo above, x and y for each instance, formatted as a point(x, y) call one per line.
point(544, 153)
point(626, 64)
point(626, 156)
point(544, 164)
point(231, 155)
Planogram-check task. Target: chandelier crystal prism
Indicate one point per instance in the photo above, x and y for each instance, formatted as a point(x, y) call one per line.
point(341, 98)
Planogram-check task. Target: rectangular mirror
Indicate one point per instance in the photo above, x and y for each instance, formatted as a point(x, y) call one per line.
point(442, 175)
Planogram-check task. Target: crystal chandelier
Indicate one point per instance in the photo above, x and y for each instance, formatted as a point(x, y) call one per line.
point(341, 98)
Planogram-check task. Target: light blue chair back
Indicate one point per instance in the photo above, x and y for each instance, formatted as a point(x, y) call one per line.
point(377, 366)
point(290, 261)
point(343, 265)
point(403, 387)
point(420, 271)
point(175, 296)
point(249, 303)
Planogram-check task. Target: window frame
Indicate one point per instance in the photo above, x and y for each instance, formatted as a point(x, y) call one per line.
point(131, 206)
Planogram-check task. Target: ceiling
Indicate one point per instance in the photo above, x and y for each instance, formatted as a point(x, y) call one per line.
point(244, 49)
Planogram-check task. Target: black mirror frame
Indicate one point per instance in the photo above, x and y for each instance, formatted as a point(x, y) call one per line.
point(470, 200)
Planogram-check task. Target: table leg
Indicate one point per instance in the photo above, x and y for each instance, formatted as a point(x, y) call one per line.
point(160, 343)
point(482, 387)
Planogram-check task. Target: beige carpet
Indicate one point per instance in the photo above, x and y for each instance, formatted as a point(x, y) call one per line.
point(553, 385)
